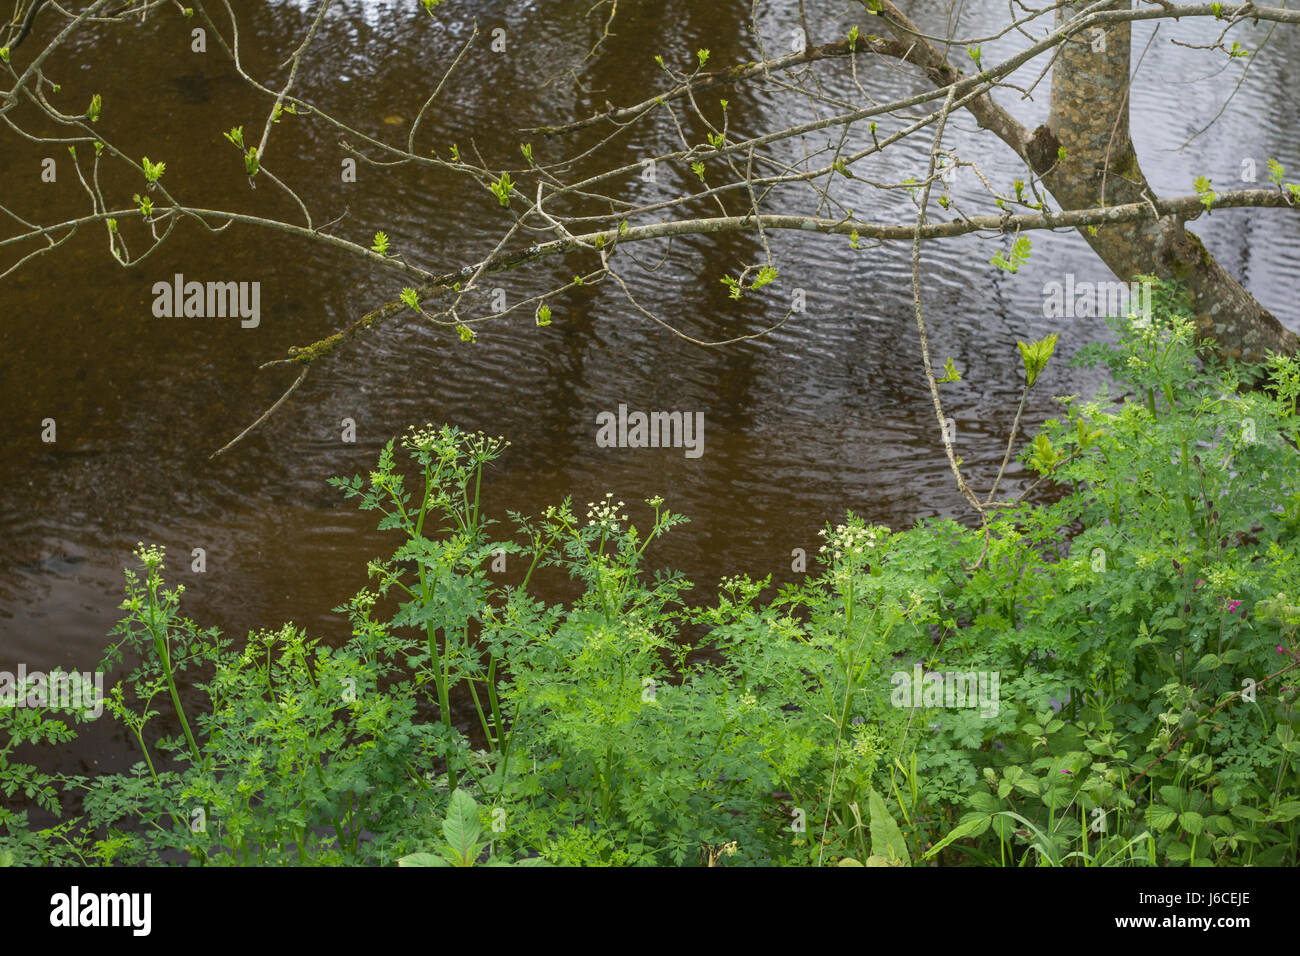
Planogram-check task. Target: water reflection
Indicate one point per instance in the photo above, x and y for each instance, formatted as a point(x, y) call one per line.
point(829, 412)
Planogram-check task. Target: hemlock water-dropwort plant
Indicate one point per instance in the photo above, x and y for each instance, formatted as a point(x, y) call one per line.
point(1143, 622)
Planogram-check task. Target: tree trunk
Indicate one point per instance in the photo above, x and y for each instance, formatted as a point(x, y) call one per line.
point(1090, 120)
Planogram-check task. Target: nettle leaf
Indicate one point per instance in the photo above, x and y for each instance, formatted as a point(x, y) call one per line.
point(1030, 785)
point(1175, 796)
point(1161, 817)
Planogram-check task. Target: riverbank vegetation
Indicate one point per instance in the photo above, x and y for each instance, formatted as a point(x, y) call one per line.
point(1136, 627)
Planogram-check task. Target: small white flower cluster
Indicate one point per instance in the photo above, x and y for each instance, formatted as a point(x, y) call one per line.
point(605, 514)
point(485, 446)
point(849, 540)
point(422, 438)
point(476, 445)
point(151, 556)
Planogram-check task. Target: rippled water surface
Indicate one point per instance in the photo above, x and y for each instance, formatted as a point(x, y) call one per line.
point(829, 412)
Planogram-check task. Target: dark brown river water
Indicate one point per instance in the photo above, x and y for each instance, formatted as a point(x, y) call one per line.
point(829, 413)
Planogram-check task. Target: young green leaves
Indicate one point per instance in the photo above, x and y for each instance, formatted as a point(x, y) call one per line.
point(152, 171)
point(1020, 250)
point(501, 189)
point(1202, 186)
point(766, 276)
point(1036, 356)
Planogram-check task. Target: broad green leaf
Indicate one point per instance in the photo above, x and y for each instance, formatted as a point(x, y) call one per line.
point(1172, 795)
point(886, 839)
point(1285, 811)
point(1029, 785)
point(1249, 814)
point(461, 828)
point(971, 828)
point(1161, 817)
point(1208, 663)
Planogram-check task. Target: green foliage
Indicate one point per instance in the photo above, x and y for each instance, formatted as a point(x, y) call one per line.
point(1275, 172)
point(1144, 626)
point(152, 171)
point(1020, 250)
point(501, 189)
point(766, 276)
point(1036, 356)
point(463, 841)
point(1203, 189)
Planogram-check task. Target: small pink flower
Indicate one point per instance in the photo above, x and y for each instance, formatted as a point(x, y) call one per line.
point(1281, 649)
point(1066, 771)
point(1232, 606)
point(1199, 582)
